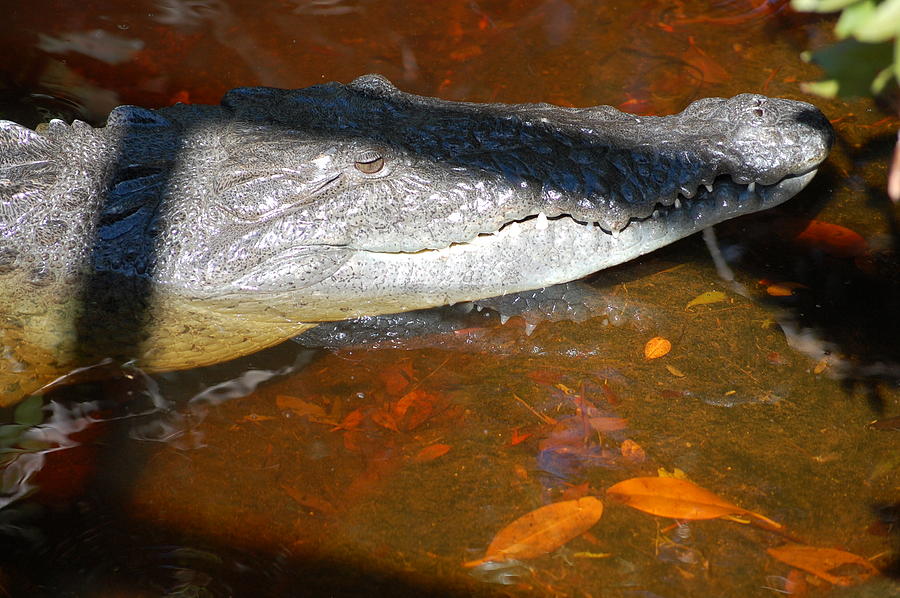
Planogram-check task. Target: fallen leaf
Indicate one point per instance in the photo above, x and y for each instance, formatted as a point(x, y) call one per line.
point(518, 437)
point(309, 500)
point(351, 421)
point(675, 371)
point(657, 347)
point(821, 561)
point(543, 530)
point(833, 239)
point(414, 408)
point(385, 419)
point(784, 289)
point(431, 452)
point(678, 499)
point(632, 451)
point(298, 406)
point(675, 473)
point(707, 298)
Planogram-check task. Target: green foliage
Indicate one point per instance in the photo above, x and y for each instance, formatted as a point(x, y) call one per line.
point(867, 58)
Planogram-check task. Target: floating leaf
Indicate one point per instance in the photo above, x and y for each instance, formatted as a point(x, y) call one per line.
point(431, 452)
point(707, 298)
point(543, 530)
point(657, 347)
point(678, 499)
point(821, 561)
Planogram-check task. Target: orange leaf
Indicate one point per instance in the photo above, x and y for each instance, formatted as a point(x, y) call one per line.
point(820, 561)
point(303, 408)
point(677, 498)
point(385, 419)
point(833, 239)
point(657, 347)
point(351, 421)
point(543, 530)
point(430, 453)
point(784, 289)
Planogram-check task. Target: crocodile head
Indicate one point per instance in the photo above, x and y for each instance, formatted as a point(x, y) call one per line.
point(345, 200)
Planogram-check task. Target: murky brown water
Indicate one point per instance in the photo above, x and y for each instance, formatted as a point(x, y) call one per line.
point(379, 470)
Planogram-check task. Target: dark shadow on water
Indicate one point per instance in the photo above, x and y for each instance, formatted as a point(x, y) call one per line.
point(848, 305)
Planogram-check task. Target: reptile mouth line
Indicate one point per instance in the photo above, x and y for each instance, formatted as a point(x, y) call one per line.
point(723, 194)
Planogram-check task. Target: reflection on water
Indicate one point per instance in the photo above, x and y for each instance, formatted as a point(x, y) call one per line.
point(378, 465)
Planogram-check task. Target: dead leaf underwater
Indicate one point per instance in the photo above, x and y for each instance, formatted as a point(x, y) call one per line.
point(542, 530)
point(822, 561)
point(678, 499)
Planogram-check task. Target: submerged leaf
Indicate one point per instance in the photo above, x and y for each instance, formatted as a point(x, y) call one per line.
point(431, 452)
point(657, 347)
point(821, 561)
point(543, 530)
point(706, 298)
point(833, 239)
point(678, 499)
point(298, 406)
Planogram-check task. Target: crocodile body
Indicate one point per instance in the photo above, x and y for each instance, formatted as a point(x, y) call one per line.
point(193, 234)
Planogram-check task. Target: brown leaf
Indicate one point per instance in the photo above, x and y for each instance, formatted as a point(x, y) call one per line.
point(657, 347)
point(543, 530)
point(304, 408)
point(784, 289)
point(431, 452)
point(309, 501)
point(821, 561)
point(632, 451)
point(678, 499)
point(385, 419)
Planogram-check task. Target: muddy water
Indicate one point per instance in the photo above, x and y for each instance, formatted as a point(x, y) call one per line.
point(380, 467)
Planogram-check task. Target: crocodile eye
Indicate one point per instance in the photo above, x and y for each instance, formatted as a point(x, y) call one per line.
point(369, 163)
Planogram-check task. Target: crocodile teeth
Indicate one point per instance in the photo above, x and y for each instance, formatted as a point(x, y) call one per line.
point(709, 187)
point(677, 203)
point(751, 187)
point(541, 223)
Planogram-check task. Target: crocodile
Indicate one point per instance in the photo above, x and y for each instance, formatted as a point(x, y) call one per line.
point(192, 234)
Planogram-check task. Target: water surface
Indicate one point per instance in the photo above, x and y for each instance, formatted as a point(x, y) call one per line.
point(379, 468)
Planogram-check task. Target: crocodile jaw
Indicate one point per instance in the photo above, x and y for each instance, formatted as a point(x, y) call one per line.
point(532, 253)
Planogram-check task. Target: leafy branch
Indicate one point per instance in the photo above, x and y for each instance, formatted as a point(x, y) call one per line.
point(867, 57)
